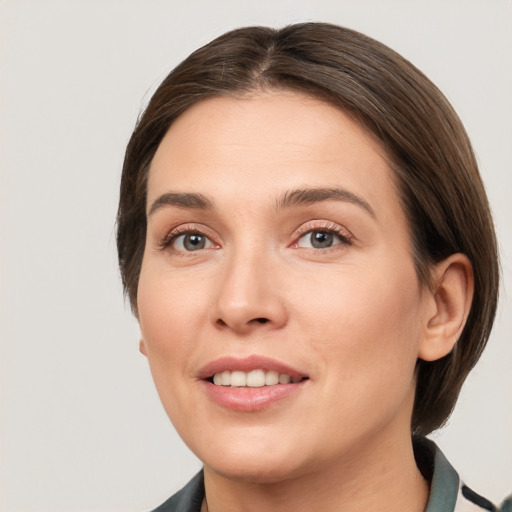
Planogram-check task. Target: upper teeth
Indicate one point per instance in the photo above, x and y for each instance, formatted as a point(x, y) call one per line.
point(253, 379)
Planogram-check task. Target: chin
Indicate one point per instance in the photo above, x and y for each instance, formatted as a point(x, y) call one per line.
point(252, 461)
point(255, 471)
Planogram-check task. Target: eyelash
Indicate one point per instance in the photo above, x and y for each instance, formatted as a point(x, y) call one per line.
point(343, 234)
point(175, 233)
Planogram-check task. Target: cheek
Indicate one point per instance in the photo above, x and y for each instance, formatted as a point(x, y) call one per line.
point(168, 316)
point(369, 322)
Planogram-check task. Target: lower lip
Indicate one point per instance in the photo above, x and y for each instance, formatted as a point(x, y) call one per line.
point(251, 399)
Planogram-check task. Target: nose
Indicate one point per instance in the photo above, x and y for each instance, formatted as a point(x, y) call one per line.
point(249, 297)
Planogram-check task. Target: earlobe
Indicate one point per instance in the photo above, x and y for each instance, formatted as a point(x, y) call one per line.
point(142, 347)
point(450, 302)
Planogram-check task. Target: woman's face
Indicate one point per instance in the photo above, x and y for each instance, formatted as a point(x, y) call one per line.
point(277, 251)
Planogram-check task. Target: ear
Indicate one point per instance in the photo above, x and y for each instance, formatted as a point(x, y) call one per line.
point(142, 347)
point(448, 306)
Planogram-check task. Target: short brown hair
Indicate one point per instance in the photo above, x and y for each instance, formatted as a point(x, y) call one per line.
point(430, 154)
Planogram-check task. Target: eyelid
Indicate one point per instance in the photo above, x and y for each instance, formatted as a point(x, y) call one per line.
point(344, 236)
point(184, 229)
point(309, 226)
point(324, 225)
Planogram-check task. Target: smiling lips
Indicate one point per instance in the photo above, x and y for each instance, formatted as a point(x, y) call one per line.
point(253, 379)
point(250, 384)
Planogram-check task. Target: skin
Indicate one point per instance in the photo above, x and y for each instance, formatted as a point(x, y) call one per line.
point(352, 317)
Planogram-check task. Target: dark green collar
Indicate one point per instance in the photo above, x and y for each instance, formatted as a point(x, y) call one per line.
point(444, 486)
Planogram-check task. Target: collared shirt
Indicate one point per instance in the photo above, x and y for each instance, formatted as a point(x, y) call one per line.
point(447, 492)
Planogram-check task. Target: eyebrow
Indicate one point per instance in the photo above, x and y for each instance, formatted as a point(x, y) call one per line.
point(290, 198)
point(182, 200)
point(315, 195)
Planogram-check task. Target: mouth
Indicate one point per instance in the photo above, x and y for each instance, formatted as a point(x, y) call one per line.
point(250, 384)
point(253, 379)
point(253, 372)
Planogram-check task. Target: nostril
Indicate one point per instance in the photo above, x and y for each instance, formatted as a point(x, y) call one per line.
point(222, 323)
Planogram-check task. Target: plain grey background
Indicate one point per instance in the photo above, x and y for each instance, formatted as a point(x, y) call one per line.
point(81, 427)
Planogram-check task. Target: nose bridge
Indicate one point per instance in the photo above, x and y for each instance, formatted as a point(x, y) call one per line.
point(247, 295)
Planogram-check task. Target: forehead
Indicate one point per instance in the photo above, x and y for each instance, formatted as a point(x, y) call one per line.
point(257, 146)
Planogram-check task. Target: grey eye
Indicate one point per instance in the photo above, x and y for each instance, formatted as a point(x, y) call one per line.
point(319, 240)
point(191, 242)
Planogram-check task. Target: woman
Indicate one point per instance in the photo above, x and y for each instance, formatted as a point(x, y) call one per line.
point(307, 245)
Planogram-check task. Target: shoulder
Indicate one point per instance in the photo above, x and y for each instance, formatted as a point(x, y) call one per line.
point(447, 492)
point(188, 499)
point(506, 505)
point(469, 501)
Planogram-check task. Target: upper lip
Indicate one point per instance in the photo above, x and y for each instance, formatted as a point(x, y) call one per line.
point(247, 364)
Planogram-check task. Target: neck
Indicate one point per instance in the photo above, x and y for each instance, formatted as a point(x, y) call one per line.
point(381, 477)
